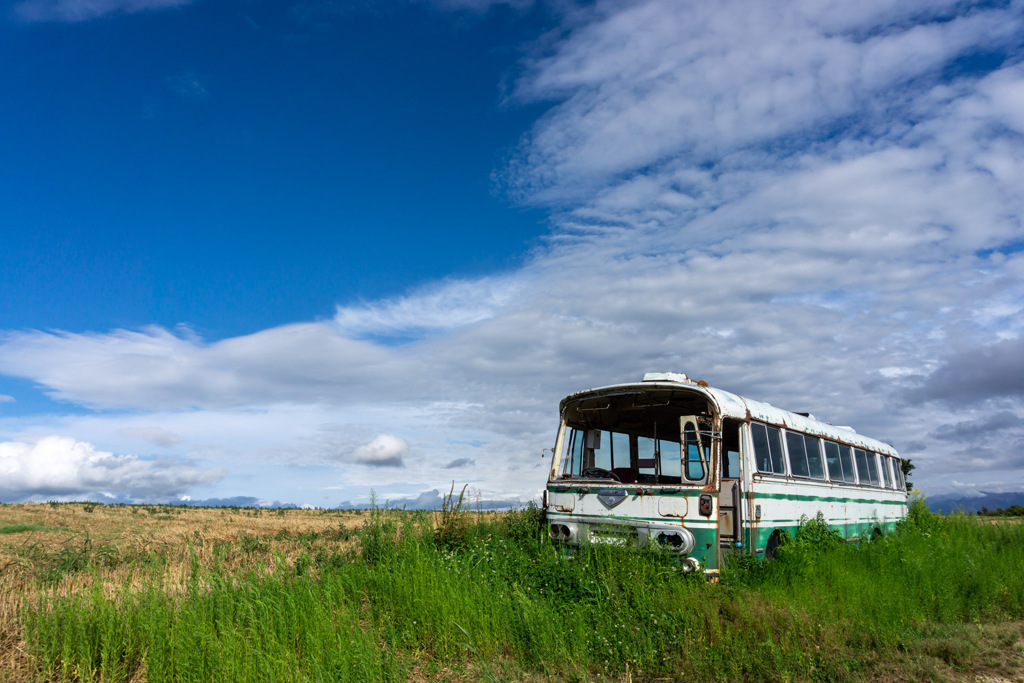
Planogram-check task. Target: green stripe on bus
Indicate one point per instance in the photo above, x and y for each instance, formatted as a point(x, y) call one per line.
point(823, 499)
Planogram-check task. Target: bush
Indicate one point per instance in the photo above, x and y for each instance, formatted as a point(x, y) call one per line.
point(378, 536)
point(523, 526)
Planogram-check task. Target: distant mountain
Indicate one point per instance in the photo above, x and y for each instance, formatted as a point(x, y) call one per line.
point(957, 501)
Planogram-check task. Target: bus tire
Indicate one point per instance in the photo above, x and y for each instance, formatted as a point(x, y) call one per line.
point(771, 548)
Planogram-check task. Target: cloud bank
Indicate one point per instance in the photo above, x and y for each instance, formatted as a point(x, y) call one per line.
point(58, 467)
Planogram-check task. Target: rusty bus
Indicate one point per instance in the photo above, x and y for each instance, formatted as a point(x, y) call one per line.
point(703, 472)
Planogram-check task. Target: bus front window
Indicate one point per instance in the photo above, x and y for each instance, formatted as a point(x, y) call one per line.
point(628, 457)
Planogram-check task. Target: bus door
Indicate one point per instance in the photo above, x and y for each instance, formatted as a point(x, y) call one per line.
point(730, 495)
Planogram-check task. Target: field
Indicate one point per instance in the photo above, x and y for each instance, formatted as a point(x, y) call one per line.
point(157, 593)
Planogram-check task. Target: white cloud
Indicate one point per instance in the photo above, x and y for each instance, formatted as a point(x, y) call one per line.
point(56, 466)
point(154, 368)
point(654, 82)
point(384, 451)
point(440, 307)
point(71, 11)
point(4, 398)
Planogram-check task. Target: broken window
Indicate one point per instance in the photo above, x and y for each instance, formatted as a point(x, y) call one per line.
point(730, 450)
point(634, 437)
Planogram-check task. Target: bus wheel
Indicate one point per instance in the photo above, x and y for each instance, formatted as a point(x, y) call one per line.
point(877, 533)
point(771, 548)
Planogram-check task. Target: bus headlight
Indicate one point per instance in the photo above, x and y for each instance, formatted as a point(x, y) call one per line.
point(677, 540)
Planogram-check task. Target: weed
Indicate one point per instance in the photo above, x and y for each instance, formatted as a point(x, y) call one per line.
point(251, 544)
point(452, 530)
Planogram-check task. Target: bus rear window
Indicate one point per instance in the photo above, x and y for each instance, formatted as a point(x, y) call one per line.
point(767, 448)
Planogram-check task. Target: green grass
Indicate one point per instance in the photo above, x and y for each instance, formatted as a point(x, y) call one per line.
point(497, 601)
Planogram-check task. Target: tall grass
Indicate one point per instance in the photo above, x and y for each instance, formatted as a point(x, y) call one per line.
point(503, 603)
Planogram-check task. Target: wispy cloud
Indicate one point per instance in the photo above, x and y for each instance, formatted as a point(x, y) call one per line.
point(654, 83)
point(71, 11)
point(443, 306)
point(153, 435)
point(188, 85)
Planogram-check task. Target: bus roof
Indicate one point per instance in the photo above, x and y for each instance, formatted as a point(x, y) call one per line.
point(731, 405)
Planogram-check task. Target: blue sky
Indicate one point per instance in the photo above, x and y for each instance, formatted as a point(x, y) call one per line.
point(296, 250)
point(234, 165)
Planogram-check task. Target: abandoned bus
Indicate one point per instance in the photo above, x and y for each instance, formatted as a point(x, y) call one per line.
point(704, 472)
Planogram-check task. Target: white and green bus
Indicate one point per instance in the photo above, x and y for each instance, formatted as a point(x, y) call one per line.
point(704, 472)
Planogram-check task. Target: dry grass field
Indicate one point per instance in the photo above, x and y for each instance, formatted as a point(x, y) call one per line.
point(61, 549)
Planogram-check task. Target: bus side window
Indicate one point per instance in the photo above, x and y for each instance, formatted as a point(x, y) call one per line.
point(573, 454)
point(814, 465)
point(694, 464)
point(849, 472)
point(767, 448)
point(897, 468)
point(833, 461)
point(862, 466)
point(797, 454)
point(884, 471)
point(869, 473)
point(873, 468)
point(730, 450)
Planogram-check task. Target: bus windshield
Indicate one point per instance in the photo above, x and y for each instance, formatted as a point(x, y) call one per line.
point(637, 437)
point(635, 456)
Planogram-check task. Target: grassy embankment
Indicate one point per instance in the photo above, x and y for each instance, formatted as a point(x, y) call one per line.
point(303, 595)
